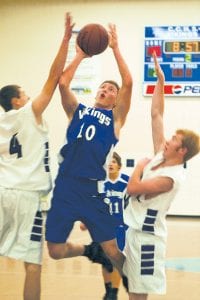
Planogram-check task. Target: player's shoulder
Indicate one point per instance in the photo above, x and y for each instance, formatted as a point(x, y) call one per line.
point(14, 115)
point(81, 106)
point(79, 111)
point(124, 177)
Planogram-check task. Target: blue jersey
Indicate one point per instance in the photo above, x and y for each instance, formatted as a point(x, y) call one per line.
point(114, 191)
point(89, 139)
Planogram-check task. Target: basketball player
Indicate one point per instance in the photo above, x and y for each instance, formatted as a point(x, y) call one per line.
point(115, 186)
point(153, 186)
point(91, 135)
point(25, 174)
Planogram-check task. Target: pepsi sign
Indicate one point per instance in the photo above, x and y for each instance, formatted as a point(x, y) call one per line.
point(175, 89)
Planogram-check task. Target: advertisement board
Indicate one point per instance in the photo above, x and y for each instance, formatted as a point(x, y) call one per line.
point(178, 52)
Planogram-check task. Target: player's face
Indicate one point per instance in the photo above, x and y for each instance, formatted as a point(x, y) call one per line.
point(23, 97)
point(106, 96)
point(173, 146)
point(113, 167)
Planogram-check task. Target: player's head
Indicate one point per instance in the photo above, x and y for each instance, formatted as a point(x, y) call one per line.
point(115, 164)
point(12, 97)
point(112, 82)
point(117, 158)
point(107, 94)
point(182, 146)
point(190, 141)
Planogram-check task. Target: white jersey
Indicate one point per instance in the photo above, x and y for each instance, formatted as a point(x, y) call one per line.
point(24, 151)
point(148, 216)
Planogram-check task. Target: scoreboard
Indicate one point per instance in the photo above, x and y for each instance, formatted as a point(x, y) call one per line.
point(178, 52)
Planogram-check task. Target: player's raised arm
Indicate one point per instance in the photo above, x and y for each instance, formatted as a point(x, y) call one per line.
point(124, 95)
point(157, 108)
point(149, 187)
point(69, 100)
point(41, 102)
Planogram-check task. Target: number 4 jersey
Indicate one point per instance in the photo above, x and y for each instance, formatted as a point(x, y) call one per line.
point(24, 153)
point(89, 140)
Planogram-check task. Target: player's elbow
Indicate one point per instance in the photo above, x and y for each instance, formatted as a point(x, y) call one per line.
point(63, 83)
point(155, 113)
point(132, 189)
point(128, 82)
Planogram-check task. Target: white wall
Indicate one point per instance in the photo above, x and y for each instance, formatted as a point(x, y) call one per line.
point(30, 34)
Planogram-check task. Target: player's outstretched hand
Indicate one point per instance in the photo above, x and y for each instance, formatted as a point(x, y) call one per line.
point(159, 71)
point(113, 39)
point(68, 26)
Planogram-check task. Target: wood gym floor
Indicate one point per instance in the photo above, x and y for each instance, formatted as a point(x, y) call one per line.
point(78, 279)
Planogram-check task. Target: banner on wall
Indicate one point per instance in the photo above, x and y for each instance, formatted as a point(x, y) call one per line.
point(178, 52)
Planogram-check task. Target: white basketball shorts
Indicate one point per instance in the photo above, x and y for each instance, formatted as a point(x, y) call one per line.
point(145, 263)
point(21, 225)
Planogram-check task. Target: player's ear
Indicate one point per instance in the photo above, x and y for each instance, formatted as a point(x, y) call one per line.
point(183, 151)
point(15, 102)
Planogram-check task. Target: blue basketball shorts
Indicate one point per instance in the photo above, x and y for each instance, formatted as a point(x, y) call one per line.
point(121, 236)
point(76, 199)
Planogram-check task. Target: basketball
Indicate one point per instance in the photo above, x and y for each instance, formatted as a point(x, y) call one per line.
point(93, 39)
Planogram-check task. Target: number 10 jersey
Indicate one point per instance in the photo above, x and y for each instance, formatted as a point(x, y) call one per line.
point(90, 139)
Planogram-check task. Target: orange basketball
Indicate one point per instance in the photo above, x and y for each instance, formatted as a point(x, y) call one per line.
point(93, 39)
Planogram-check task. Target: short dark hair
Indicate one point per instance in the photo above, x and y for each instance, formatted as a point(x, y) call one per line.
point(112, 82)
point(117, 158)
point(6, 94)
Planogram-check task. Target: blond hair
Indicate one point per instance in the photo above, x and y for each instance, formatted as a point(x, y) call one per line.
point(191, 141)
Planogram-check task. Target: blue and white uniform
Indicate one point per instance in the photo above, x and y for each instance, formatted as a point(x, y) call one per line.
point(78, 193)
point(24, 178)
point(115, 192)
point(147, 233)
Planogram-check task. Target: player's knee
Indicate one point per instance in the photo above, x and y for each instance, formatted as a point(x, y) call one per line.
point(33, 268)
point(112, 254)
point(111, 251)
point(54, 251)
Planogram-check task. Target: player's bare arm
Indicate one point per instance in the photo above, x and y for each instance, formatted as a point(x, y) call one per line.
point(157, 108)
point(69, 100)
point(124, 95)
point(41, 102)
point(148, 187)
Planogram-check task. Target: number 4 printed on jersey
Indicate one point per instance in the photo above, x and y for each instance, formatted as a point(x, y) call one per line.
point(15, 147)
